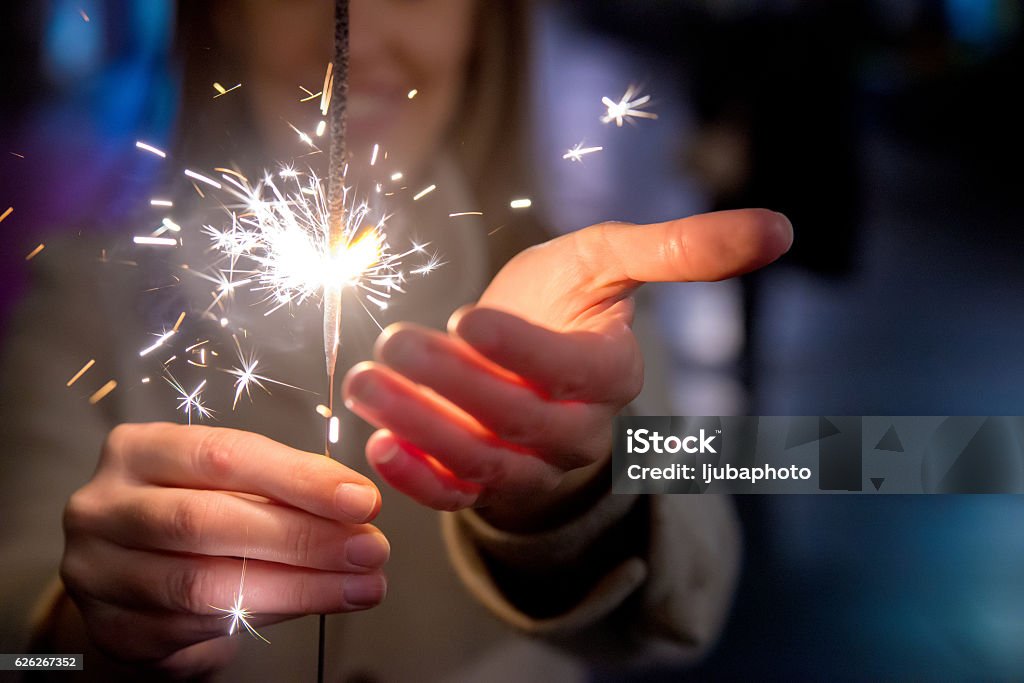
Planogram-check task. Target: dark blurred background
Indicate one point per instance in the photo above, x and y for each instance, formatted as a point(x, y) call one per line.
point(890, 131)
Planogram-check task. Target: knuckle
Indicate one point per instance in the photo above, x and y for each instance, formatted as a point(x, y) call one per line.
point(186, 522)
point(675, 251)
point(300, 542)
point(116, 443)
point(523, 425)
point(214, 456)
point(302, 598)
point(78, 513)
point(571, 382)
point(491, 471)
point(191, 589)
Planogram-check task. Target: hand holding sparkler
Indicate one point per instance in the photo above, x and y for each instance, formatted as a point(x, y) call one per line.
point(154, 542)
point(512, 409)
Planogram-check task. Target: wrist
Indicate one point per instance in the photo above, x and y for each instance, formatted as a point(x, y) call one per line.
point(578, 491)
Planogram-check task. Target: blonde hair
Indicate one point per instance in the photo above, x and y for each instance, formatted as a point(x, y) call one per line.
point(490, 137)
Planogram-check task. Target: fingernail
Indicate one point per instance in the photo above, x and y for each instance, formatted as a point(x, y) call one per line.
point(785, 229)
point(387, 455)
point(364, 590)
point(366, 390)
point(356, 500)
point(368, 550)
point(405, 350)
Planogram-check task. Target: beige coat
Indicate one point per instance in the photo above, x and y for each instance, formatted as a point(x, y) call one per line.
point(448, 615)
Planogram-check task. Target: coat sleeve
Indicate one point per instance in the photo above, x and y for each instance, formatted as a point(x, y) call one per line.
point(632, 576)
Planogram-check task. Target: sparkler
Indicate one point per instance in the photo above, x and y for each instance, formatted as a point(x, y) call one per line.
point(627, 108)
point(337, 101)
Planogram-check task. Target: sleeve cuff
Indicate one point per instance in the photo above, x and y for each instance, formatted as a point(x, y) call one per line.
point(475, 547)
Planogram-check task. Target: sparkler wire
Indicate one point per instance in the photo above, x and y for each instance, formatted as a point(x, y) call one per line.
point(336, 233)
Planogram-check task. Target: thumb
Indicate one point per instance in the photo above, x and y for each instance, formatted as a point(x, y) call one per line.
point(707, 247)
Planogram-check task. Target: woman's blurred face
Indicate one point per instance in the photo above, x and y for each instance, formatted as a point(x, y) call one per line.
point(396, 46)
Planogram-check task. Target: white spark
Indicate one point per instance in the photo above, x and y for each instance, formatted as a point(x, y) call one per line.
point(246, 376)
point(578, 151)
point(159, 342)
point(151, 149)
point(155, 241)
point(627, 108)
point(238, 613)
point(189, 402)
point(424, 192)
point(203, 179)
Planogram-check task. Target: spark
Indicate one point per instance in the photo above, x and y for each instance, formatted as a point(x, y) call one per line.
point(323, 410)
point(238, 614)
point(155, 241)
point(279, 240)
point(321, 128)
point(6, 213)
point(310, 95)
point(159, 342)
point(203, 179)
point(373, 157)
point(432, 264)
point(150, 148)
point(521, 203)
point(145, 380)
point(627, 108)
point(334, 429)
point(578, 151)
point(189, 402)
point(396, 176)
point(247, 377)
point(102, 392)
point(35, 252)
point(327, 90)
point(161, 202)
point(85, 17)
point(20, 156)
point(424, 192)
point(78, 375)
point(465, 213)
point(303, 136)
point(221, 90)
point(413, 93)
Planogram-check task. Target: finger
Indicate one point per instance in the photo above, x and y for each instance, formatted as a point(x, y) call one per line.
point(418, 475)
point(146, 636)
point(232, 460)
point(388, 400)
point(200, 585)
point(707, 247)
point(569, 366)
point(201, 659)
point(216, 523)
point(500, 401)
